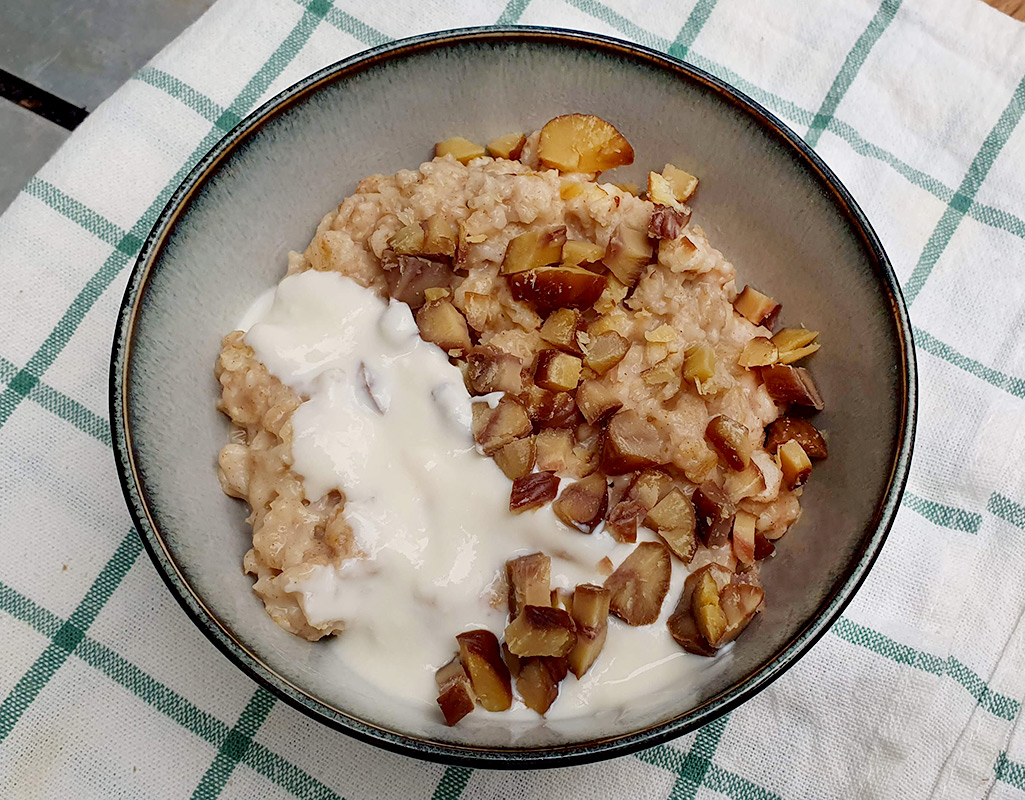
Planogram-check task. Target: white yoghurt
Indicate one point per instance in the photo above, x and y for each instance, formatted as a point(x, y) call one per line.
point(430, 511)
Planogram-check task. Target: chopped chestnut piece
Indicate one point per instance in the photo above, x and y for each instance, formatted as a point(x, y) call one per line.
point(557, 371)
point(440, 236)
point(714, 513)
point(681, 541)
point(583, 461)
point(590, 607)
point(640, 583)
point(807, 435)
point(604, 566)
point(548, 409)
point(561, 329)
point(441, 323)
point(466, 241)
point(787, 384)
point(731, 440)
point(562, 598)
point(582, 505)
point(629, 252)
point(744, 537)
point(453, 670)
point(739, 602)
point(795, 343)
point(597, 402)
point(516, 459)
point(534, 249)
point(615, 319)
point(759, 352)
point(511, 660)
point(681, 624)
point(432, 294)
point(550, 288)
point(492, 370)
point(494, 428)
point(577, 254)
point(590, 613)
point(412, 275)
point(663, 334)
point(745, 483)
point(533, 491)
point(541, 631)
point(673, 519)
point(623, 519)
point(684, 630)
point(683, 183)
point(408, 240)
point(708, 614)
point(604, 351)
point(665, 371)
point(666, 223)
point(508, 146)
point(582, 143)
point(529, 578)
point(677, 254)
point(789, 339)
point(660, 192)
point(478, 308)
point(632, 443)
point(455, 692)
point(538, 681)
point(481, 657)
point(462, 150)
point(796, 355)
point(554, 449)
point(649, 487)
point(794, 463)
point(720, 574)
point(571, 189)
point(559, 666)
point(615, 292)
point(754, 306)
point(763, 547)
point(699, 363)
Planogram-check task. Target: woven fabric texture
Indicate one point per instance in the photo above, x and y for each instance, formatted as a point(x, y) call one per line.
point(915, 692)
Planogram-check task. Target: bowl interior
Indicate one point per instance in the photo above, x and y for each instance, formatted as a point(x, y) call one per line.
point(762, 202)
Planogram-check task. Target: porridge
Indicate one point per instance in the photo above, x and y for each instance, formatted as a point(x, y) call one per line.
point(509, 434)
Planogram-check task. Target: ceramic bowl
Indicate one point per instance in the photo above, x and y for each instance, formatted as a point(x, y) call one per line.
point(766, 200)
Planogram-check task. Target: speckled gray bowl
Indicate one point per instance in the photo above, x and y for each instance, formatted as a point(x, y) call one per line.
point(766, 200)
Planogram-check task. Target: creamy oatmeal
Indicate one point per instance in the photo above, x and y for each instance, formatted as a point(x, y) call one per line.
point(512, 433)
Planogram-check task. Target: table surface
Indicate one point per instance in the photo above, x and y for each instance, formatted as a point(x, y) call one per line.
point(59, 59)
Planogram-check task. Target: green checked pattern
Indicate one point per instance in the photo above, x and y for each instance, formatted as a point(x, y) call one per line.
point(159, 697)
point(957, 519)
point(452, 783)
point(849, 71)
point(1010, 772)
point(718, 759)
point(67, 637)
point(1005, 708)
point(961, 202)
point(236, 743)
point(1007, 510)
point(690, 768)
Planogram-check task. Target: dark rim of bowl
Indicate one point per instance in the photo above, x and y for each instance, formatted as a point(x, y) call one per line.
point(498, 757)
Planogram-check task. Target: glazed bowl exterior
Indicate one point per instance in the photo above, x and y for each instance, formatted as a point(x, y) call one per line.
point(766, 200)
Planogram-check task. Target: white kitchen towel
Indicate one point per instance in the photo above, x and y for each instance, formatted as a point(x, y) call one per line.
point(108, 691)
